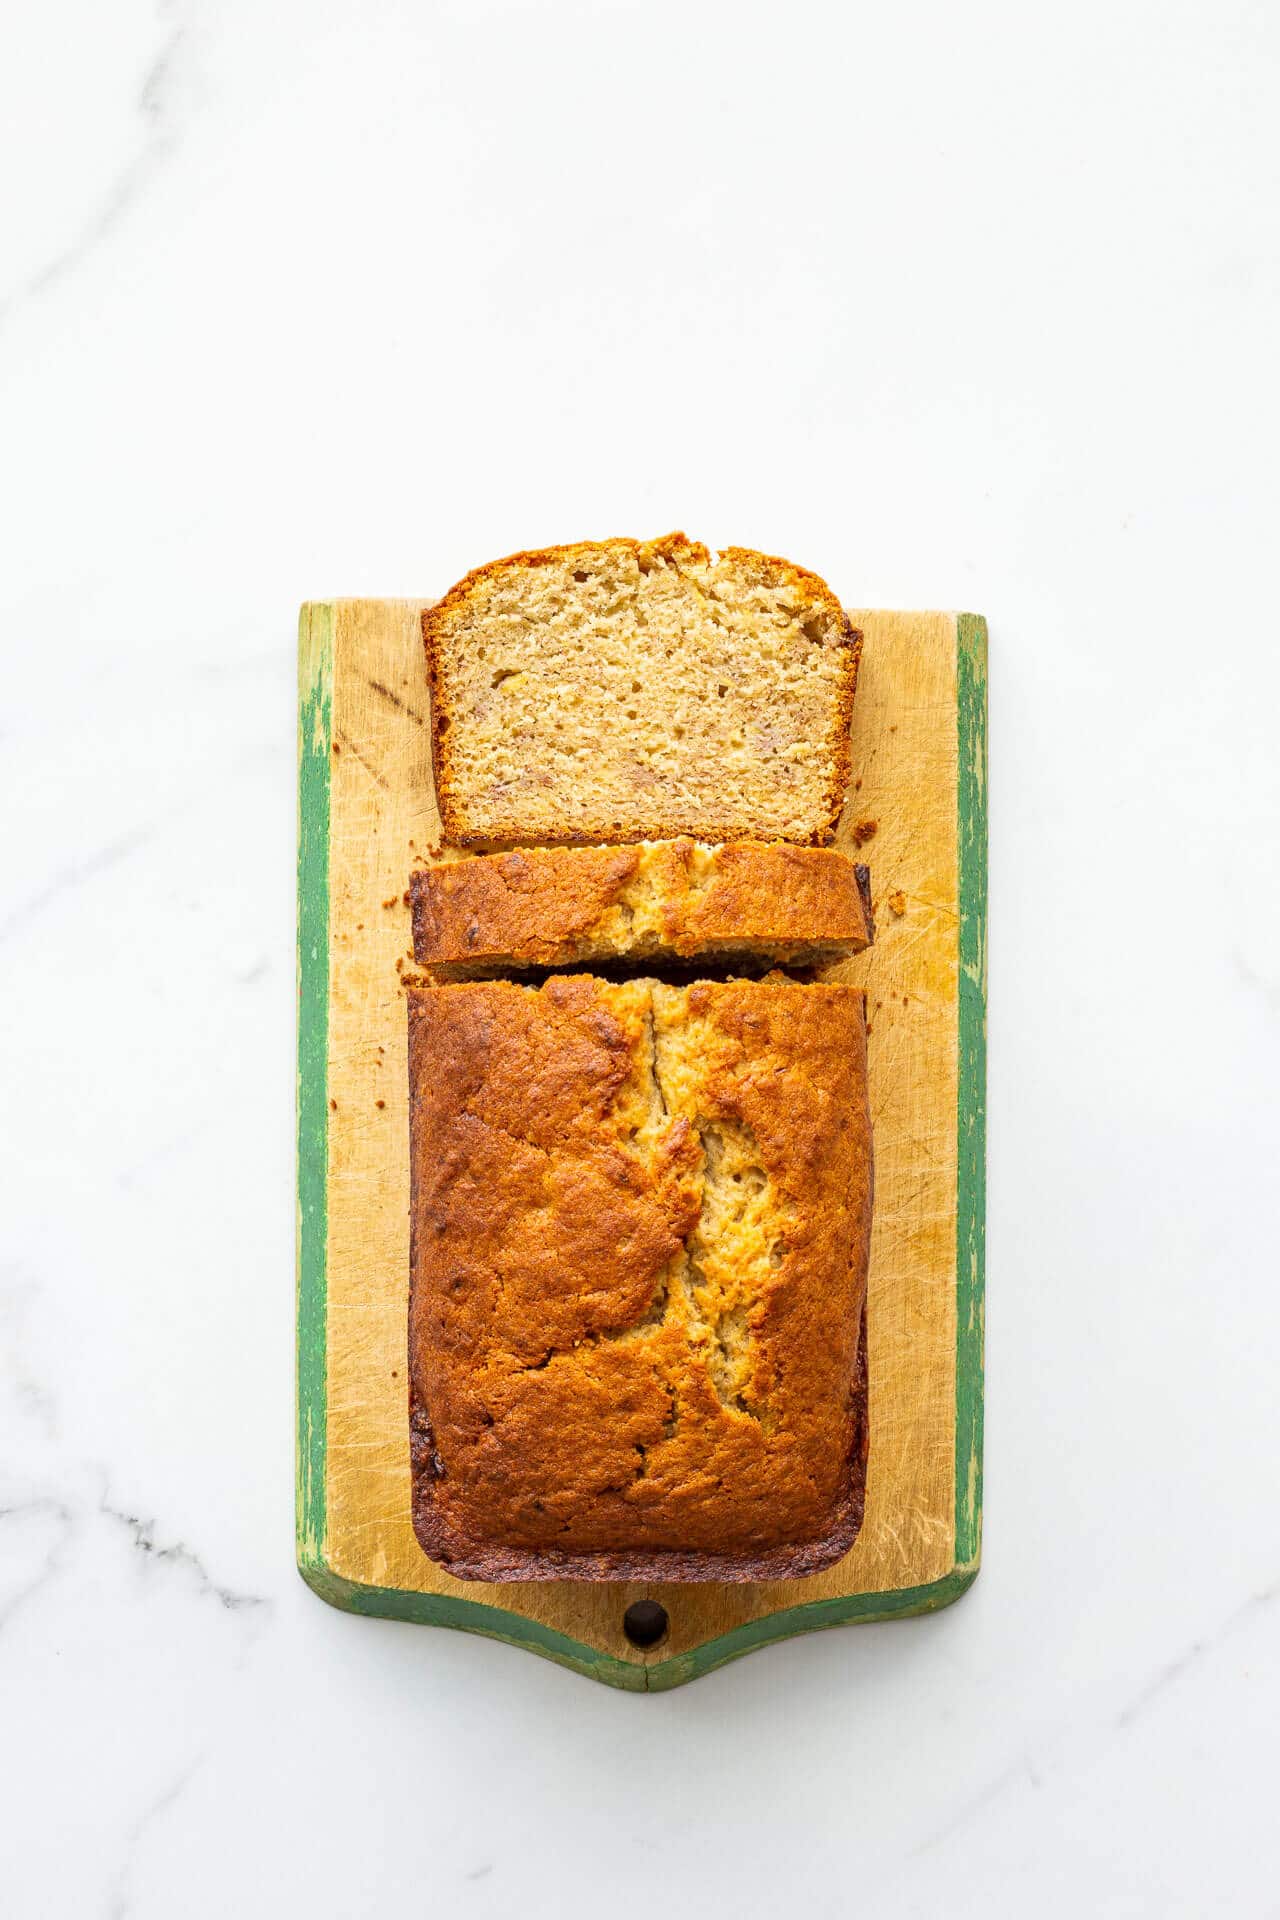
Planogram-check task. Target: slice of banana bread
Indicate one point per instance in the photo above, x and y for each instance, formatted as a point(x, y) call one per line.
point(625, 690)
point(562, 906)
point(640, 1227)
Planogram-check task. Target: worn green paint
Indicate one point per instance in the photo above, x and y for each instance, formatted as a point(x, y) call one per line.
point(432, 1609)
point(971, 1117)
point(315, 714)
point(494, 1623)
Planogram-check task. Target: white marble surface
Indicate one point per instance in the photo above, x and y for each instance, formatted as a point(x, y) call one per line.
point(962, 305)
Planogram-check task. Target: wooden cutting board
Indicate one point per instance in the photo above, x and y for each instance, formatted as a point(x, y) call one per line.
point(366, 816)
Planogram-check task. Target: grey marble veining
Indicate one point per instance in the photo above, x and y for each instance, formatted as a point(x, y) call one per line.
point(158, 123)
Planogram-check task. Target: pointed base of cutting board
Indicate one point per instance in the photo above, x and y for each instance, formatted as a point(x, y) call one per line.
point(367, 814)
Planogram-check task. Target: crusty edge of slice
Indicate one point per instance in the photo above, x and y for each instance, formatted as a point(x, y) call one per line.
point(542, 907)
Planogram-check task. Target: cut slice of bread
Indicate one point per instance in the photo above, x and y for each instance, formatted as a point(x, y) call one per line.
point(563, 906)
point(624, 690)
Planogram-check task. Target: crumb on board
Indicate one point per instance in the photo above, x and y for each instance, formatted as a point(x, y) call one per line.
point(379, 1103)
point(394, 901)
point(898, 902)
point(333, 1106)
point(864, 830)
point(405, 897)
point(857, 786)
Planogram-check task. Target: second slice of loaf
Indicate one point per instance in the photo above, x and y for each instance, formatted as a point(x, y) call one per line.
point(673, 899)
point(624, 690)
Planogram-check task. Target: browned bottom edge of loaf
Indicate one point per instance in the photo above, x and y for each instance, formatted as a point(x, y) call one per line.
point(469, 1558)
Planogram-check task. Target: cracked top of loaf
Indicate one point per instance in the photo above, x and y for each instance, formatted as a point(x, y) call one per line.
point(561, 906)
point(640, 1225)
point(621, 690)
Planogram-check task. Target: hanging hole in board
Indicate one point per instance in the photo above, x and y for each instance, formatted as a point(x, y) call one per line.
point(645, 1623)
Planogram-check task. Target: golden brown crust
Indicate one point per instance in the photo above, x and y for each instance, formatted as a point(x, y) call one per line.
point(842, 765)
point(640, 1224)
point(544, 907)
point(676, 546)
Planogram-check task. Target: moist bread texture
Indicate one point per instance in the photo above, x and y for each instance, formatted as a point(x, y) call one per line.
point(640, 1225)
point(622, 690)
point(563, 906)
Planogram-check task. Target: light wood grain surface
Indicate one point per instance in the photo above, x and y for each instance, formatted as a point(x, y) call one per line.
point(383, 820)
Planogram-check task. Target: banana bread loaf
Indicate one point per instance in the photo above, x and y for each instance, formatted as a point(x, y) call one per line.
point(640, 1223)
point(562, 906)
point(626, 690)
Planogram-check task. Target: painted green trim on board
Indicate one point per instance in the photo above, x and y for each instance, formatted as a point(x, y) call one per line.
point(495, 1623)
point(314, 748)
point(315, 720)
point(971, 1116)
